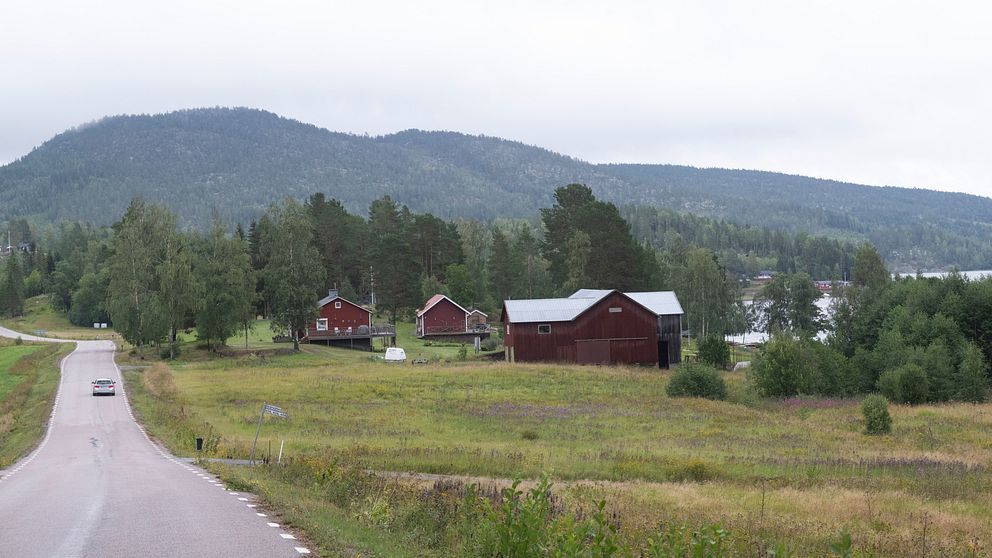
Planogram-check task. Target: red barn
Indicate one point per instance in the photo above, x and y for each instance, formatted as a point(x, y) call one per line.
point(591, 327)
point(341, 322)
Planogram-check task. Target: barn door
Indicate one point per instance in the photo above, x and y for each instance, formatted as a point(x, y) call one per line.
point(593, 352)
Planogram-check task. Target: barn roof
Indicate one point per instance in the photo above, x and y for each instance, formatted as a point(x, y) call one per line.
point(662, 303)
point(434, 300)
point(551, 309)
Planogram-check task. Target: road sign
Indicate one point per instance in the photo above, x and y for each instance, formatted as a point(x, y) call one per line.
point(273, 410)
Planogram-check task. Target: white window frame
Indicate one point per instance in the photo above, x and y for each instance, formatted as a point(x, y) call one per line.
point(321, 324)
point(547, 326)
point(337, 304)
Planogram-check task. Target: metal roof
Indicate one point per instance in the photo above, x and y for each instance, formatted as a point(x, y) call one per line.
point(550, 309)
point(662, 303)
point(328, 299)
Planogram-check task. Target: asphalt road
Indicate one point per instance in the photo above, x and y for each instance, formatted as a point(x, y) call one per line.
point(97, 487)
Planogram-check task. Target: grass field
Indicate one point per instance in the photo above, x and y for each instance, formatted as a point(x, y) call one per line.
point(794, 470)
point(29, 377)
point(40, 319)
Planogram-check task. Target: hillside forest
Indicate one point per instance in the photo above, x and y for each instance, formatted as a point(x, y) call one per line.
point(196, 161)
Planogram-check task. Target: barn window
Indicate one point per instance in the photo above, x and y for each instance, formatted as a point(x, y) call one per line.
point(507, 329)
point(615, 309)
point(337, 304)
point(544, 328)
point(322, 324)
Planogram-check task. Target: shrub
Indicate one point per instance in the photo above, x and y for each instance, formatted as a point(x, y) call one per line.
point(697, 380)
point(780, 369)
point(463, 352)
point(905, 384)
point(713, 350)
point(875, 409)
point(971, 381)
point(890, 386)
point(529, 435)
point(18, 341)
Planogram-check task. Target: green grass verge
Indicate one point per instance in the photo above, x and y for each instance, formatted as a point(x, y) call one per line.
point(27, 389)
point(799, 469)
point(41, 319)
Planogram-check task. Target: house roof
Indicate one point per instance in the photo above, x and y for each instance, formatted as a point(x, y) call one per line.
point(477, 311)
point(432, 301)
point(329, 299)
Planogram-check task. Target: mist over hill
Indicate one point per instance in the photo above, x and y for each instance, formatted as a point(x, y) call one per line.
point(234, 162)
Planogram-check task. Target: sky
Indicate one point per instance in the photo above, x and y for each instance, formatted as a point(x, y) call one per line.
point(882, 93)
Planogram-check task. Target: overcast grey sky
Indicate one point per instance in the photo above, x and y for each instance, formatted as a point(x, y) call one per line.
point(883, 93)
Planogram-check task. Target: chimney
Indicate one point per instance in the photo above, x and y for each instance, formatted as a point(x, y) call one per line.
point(332, 293)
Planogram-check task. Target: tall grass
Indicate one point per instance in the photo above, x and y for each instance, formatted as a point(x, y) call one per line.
point(768, 471)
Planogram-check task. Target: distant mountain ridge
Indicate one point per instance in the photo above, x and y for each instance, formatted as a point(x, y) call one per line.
point(237, 161)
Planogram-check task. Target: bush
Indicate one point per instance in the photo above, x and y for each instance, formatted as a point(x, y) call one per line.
point(906, 384)
point(697, 380)
point(875, 409)
point(971, 381)
point(463, 352)
point(713, 350)
point(18, 341)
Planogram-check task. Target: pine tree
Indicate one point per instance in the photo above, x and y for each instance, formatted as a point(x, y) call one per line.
point(12, 288)
point(395, 266)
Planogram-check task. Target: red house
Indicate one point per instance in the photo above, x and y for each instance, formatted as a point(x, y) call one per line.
point(443, 318)
point(344, 323)
point(441, 315)
point(591, 327)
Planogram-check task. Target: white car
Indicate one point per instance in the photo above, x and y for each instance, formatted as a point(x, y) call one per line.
point(104, 386)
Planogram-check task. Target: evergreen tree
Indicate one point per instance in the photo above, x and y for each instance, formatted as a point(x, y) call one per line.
point(616, 260)
point(395, 265)
point(504, 269)
point(12, 288)
point(579, 250)
point(461, 286)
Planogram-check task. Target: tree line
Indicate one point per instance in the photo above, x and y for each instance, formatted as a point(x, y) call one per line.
point(151, 279)
point(913, 339)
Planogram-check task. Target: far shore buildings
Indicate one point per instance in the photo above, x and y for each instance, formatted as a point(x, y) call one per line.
point(595, 326)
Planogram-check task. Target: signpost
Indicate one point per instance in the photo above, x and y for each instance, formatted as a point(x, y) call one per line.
point(272, 410)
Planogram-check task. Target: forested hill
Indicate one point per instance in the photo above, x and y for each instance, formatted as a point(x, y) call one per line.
point(237, 161)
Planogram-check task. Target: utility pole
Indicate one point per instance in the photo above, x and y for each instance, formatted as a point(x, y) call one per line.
point(372, 284)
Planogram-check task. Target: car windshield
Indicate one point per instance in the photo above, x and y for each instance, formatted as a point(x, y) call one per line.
point(104, 382)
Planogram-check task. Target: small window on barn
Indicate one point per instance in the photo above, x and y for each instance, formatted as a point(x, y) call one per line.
point(615, 309)
point(507, 329)
point(337, 304)
point(544, 328)
point(322, 324)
